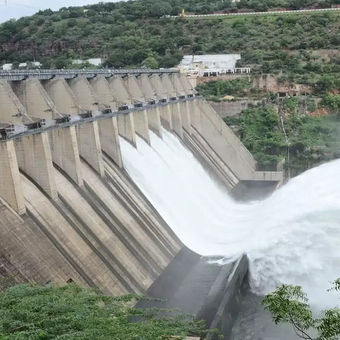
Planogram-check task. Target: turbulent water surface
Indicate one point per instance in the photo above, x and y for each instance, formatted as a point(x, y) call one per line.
point(291, 237)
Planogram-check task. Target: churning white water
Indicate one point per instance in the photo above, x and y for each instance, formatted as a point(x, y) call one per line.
point(291, 237)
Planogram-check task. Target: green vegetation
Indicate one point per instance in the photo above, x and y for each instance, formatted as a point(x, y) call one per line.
point(216, 90)
point(71, 312)
point(261, 134)
point(132, 34)
point(311, 140)
point(291, 103)
point(332, 102)
point(290, 304)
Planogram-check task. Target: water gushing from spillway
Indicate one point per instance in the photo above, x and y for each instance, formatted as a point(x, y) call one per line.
point(291, 237)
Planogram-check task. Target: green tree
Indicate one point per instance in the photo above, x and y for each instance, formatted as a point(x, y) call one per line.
point(325, 83)
point(160, 8)
point(151, 62)
point(62, 62)
point(332, 102)
point(291, 103)
point(214, 90)
point(290, 304)
point(261, 133)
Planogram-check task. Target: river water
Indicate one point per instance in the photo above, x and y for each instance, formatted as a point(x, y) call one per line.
point(291, 237)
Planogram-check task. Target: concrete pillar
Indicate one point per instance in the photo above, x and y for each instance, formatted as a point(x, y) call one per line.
point(166, 117)
point(84, 93)
point(65, 152)
point(109, 139)
point(11, 109)
point(35, 160)
point(62, 96)
point(196, 114)
point(157, 86)
point(89, 146)
point(186, 108)
point(154, 120)
point(34, 97)
point(103, 92)
point(136, 95)
point(126, 127)
point(177, 84)
point(154, 113)
point(146, 87)
point(188, 88)
point(167, 84)
point(10, 182)
point(142, 125)
point(118, 90)
point(177, 119)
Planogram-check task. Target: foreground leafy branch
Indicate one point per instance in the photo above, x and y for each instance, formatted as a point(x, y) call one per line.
point(289, 304)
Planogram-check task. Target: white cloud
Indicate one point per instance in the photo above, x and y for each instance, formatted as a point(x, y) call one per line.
point(18, 8)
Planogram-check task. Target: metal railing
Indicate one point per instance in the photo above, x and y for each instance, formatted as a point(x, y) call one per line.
point(73, 73)
point(12, 131)
point(273, 12)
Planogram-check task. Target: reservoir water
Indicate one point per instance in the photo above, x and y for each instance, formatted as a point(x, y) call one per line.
point(291, 237)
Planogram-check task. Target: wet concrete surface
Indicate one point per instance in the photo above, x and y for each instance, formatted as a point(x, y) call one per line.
point(200, 287)
point(255, 323)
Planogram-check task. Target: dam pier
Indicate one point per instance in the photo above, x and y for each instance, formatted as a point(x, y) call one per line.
point(70, 212)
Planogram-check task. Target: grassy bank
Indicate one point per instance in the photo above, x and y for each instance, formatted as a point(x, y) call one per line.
point(72, 312)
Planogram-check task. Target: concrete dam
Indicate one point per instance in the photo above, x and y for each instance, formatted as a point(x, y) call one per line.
point(71, 210)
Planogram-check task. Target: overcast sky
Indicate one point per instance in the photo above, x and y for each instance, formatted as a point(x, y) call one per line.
point(19, 8)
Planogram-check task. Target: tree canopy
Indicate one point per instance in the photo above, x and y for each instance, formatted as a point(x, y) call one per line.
point(311, 139)
point(134, 34)
point(290, 304)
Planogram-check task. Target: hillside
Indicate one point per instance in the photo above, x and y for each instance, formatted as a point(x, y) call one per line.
point(132, 34)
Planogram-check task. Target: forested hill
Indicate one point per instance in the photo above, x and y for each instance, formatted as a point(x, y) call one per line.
point(133, 33)
point(294, 48)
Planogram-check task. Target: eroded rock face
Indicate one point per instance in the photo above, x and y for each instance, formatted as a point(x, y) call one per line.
point(322, 111)
point(269, 83)
point(265, 82)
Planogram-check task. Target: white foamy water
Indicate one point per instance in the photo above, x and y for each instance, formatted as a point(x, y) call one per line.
point(291, 237)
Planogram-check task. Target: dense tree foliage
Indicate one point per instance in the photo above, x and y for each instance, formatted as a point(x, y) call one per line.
point(72, 312)
point(332, 102)
point(260, 132)
point(215, 90)
point(311, 140)
point(132, 34)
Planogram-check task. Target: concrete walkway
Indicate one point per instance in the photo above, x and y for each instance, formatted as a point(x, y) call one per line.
point(299, 11)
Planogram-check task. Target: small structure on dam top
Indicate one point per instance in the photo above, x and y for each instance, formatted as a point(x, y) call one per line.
point(211, 65)
point(69, 211)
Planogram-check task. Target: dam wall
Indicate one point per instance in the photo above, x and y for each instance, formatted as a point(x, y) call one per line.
point(69, 212)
